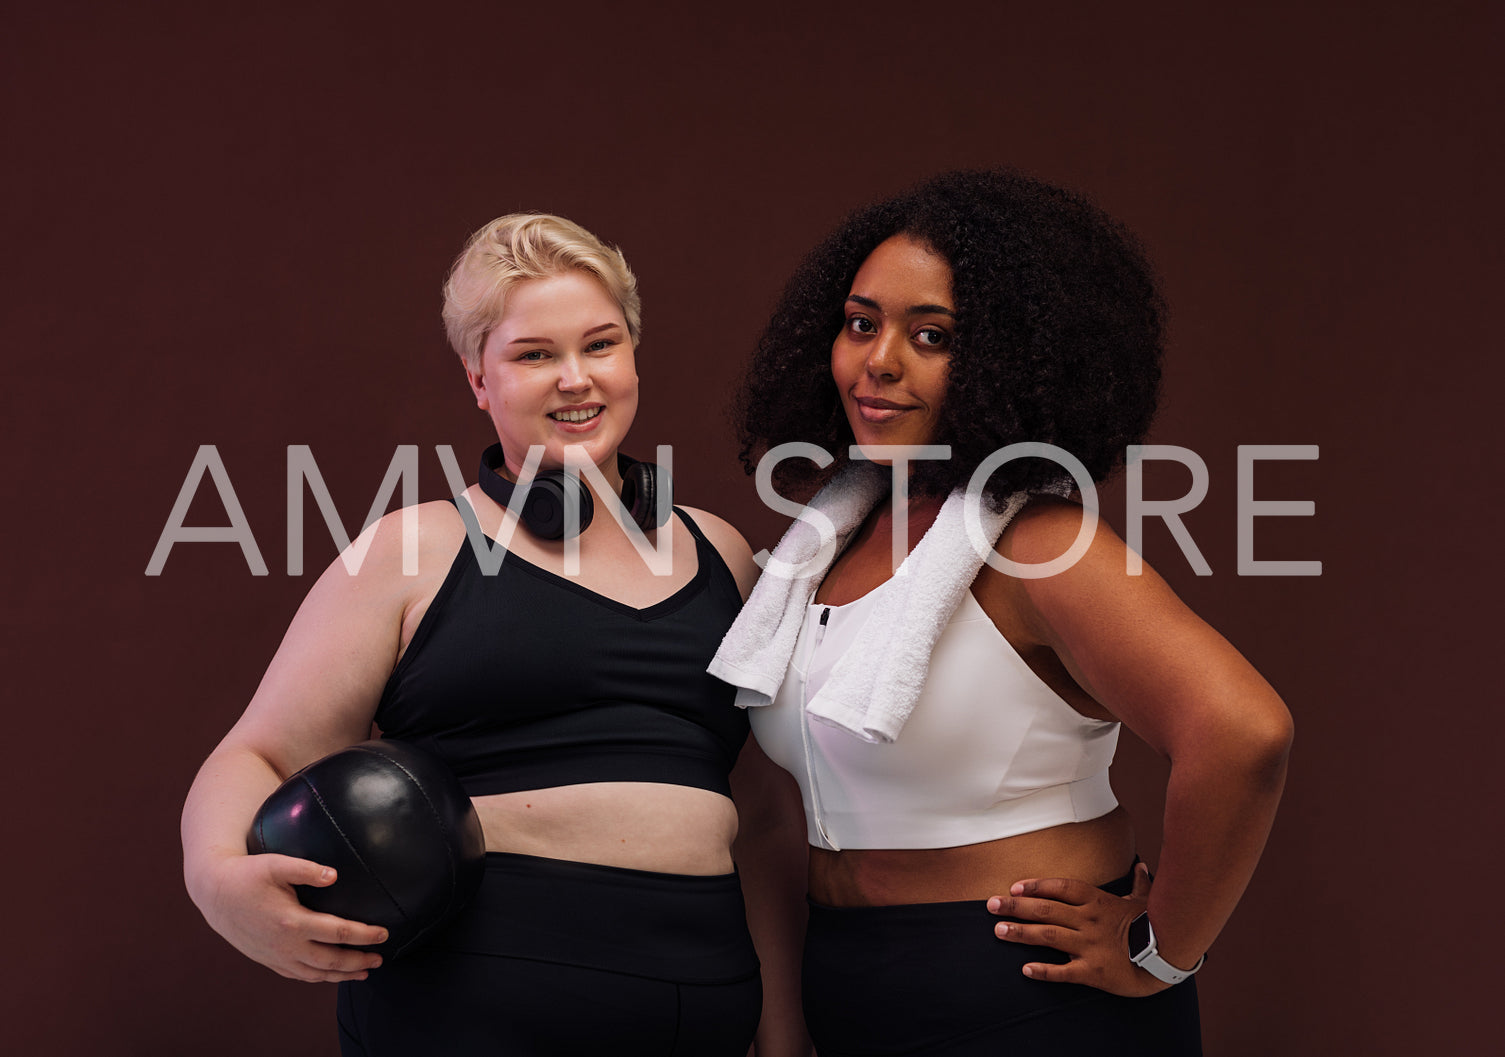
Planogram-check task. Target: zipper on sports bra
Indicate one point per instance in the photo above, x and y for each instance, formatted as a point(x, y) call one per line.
point(820, 823)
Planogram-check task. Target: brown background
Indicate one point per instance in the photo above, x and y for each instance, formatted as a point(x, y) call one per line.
point(229, 227)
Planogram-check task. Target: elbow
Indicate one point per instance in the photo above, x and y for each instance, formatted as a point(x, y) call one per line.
point(1254, 744)
point(1272, 753)
point(1275, 732)
point(1260, 745)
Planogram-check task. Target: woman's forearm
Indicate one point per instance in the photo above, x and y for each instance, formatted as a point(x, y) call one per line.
point(771, 856)
point(1220, 805)
point(224, 797)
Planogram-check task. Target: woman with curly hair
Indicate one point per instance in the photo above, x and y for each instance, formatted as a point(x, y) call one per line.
point(943, 646)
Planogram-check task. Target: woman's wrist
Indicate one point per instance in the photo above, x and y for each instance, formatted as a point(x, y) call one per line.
point(199, 869)
point(1144, 951)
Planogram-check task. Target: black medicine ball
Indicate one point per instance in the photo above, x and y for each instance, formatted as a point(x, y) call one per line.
point(396, 825)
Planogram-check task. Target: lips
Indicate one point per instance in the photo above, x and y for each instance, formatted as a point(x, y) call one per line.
point(876, 409)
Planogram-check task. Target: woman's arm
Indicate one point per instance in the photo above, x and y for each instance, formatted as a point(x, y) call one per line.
point(1131, 644)
point(770, 851)
point(771, 856)
point(318, 695)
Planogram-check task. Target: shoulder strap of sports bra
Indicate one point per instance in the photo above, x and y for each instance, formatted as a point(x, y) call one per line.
point(690, 524)
point(708, 552)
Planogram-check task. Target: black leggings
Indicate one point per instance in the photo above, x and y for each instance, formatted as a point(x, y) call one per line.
point(932, 979)
point(557, 959)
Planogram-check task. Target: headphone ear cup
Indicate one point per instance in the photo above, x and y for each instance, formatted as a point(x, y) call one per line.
point(641, 482)
point(545, 507)
point(638, 494)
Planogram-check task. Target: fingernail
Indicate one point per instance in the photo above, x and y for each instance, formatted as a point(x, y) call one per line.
point(1002, 930)
point(381, 937)
point(994, 904)
point(326, 874)
point(1029, 971)
point(1017, 890)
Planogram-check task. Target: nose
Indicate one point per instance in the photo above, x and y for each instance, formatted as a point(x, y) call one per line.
point(573, 376)
point(885, 355)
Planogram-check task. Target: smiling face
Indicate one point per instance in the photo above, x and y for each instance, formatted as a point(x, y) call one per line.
point(558, 369)
point(891, 359)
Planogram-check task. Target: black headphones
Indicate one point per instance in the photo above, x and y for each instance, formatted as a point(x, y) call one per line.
point(545, 498)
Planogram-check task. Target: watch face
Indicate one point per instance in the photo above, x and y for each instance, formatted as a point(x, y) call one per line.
point(1139, 935)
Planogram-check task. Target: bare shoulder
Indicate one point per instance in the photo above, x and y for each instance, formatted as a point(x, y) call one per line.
point(730, 544)
point(392, 558)
point(1067, 556)
point(435, 523)
point(1048, 527)
point(1041, 534)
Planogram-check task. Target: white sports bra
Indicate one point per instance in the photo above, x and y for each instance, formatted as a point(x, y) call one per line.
point(990, 751)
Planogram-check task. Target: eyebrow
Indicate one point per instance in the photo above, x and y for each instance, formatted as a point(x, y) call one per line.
point(914, 310)
point(550, 341)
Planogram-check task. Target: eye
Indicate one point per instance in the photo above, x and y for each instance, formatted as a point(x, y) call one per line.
point(861, 325)
point(600, 345)
point(932, 338)
point(532, 355)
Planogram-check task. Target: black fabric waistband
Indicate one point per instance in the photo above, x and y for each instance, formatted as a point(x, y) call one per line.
point(678, 927)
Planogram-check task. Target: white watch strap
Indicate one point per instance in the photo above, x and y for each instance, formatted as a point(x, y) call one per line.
point(1150, 961)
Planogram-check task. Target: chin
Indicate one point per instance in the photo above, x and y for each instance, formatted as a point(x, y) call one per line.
point(597, 449)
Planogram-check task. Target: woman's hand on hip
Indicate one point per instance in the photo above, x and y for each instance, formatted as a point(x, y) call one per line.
point(1084, 922)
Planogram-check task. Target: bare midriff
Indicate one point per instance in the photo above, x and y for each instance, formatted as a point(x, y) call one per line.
point(1097, 851)
point(637, 825)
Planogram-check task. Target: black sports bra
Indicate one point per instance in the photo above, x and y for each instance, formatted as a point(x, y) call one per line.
point(527, 680)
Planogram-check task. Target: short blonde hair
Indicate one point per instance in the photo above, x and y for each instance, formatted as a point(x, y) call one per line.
point(521, 246)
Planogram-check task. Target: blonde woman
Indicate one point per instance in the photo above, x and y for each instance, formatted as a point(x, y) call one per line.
point(572, 705)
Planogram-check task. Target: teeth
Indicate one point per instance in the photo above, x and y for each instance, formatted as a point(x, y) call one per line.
point(575, 416)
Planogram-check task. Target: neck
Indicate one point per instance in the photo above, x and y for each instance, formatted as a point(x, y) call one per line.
point(510, 470)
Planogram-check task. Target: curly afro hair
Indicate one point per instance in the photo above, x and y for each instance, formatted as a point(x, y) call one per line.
point(1057, 336)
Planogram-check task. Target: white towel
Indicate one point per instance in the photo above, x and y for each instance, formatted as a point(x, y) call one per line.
point(874, 686)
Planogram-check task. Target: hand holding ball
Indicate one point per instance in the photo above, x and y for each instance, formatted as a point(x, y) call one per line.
point(398, 829)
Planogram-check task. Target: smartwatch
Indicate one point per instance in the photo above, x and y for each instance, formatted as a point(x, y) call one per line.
point(1144, 953)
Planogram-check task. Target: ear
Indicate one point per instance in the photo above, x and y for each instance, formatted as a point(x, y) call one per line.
point(478, 387)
